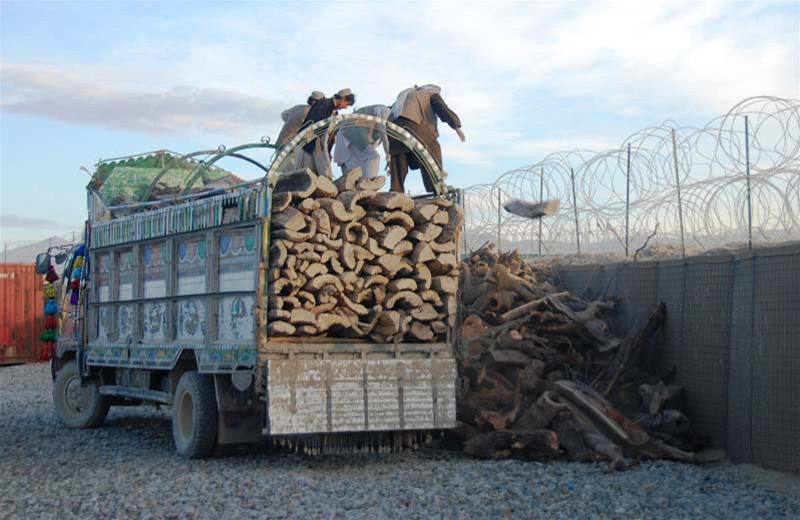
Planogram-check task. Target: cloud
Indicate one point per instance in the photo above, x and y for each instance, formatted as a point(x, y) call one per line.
point(513, 76)
point(8, 220)
point(92, 96)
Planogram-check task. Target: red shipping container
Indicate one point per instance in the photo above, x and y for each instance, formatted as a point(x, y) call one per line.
point(21, 313)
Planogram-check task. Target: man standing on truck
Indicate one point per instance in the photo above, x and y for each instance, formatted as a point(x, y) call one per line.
point(315, 155)
point(293, 118)
point(416, 109)
point(356, 145)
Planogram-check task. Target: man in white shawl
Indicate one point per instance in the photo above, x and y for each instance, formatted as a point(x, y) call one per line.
point(356, 145)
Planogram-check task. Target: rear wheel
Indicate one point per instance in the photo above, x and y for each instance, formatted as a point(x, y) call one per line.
point(78, 406)
point(194, 416)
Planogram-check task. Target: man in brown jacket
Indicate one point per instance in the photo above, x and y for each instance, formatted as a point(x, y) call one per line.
point(417, 110)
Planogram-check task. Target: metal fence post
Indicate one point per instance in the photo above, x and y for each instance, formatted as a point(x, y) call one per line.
point(678, 187)
point(749, 199)
point(499, 209)
point(575, 206)
point(627, 199)
point(541, 197)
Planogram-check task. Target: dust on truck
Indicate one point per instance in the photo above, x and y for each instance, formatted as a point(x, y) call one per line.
point(175, 307)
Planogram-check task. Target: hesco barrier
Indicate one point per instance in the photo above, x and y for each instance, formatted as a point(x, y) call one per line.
point(21, 313)
point(733, 334)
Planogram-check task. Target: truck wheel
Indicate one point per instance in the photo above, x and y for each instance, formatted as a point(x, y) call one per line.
point(194, 416)
point(78, 406)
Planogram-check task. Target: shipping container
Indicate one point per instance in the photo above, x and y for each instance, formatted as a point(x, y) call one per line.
point(21, 313)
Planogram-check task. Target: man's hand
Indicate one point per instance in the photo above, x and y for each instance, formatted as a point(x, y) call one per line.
point(460, 134)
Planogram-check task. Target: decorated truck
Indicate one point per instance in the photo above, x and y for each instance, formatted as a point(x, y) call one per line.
point(292, 309)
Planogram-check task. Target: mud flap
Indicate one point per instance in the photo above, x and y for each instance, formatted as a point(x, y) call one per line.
point(239, 413)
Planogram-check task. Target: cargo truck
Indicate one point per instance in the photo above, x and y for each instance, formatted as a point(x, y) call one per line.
point(173, 309)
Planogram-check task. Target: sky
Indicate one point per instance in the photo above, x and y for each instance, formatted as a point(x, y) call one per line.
point(84, 81)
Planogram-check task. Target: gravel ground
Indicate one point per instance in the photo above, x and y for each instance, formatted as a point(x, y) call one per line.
point(127, 469)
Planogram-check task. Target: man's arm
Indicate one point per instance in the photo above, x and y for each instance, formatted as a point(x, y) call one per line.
point(446, 115)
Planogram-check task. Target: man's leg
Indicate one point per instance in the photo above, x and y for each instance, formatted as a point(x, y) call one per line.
point(436, 152)
point(398, 169)
point(304, 160)
point(322, 161)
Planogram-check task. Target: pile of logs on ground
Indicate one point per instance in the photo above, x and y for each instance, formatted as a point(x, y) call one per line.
point(347, 260)
point(542, 376)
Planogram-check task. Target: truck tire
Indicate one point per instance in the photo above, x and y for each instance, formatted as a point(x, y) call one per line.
point(194, 416)
point(78, 406)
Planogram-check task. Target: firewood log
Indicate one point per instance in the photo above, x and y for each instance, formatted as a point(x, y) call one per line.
point(501, 444)
point(419, 331)
point(280, 328)
point(336, 210)
point(402, 284)
point(443, 264)
point(424, 212)
point(277, 254)
point(398, 218)
point(301, 183)
point(374, 225)
point(351, 200)
point(390, 201)
point(308, 205)
point(347, 182)
point(389, 237)
point(281, 201)
point(441, 218)
point(404, 299)
point(326, 320)
point(444, 284)
point(325, 188)
point(422, 253)
point(426, 233)
point(422, 275)
point(373, 184)
point(432, 297)
point(403, 248)
point(426, 312)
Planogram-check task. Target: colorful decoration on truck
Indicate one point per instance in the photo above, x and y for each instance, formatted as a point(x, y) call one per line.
point(236, 206)
point(50, 331)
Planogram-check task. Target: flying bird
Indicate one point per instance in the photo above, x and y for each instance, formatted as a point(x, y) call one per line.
point(532, 210)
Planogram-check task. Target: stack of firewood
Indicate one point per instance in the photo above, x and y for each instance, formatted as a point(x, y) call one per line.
point(543, 376)
point(349, 261)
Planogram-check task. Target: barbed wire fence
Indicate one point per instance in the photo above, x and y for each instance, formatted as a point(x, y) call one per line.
point(735, 181)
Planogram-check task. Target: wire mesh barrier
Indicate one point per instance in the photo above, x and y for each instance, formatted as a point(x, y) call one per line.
point(731, 335)
point(735, 180)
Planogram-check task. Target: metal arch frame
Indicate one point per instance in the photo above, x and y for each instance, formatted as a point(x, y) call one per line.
point(397, 132)
point(223, 152)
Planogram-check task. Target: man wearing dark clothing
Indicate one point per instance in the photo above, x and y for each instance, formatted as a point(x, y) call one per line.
point(315, 154)
point(293, 118)
point(417, 110)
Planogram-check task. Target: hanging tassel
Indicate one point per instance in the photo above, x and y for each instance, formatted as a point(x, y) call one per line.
point(51, 307)
point(78, 262)
point(75, 284)
point(49, 290)
point(51, 322)
point(73, 298)
point(51, 275)
point(47, 351)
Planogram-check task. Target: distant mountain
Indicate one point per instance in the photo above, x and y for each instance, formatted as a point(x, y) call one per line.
point(27, 254)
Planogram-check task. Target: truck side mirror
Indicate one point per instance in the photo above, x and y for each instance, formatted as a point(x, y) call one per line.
point(42, 263)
